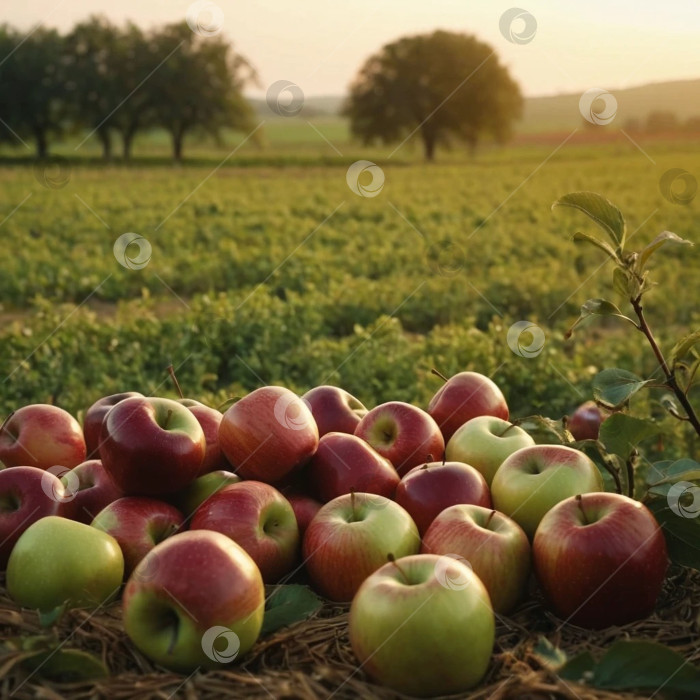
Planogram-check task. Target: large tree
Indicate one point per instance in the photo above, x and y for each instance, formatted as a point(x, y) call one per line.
point(444, 86)
point(199, 85)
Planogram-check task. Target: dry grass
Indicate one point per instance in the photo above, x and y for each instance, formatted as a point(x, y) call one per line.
point(313, 659)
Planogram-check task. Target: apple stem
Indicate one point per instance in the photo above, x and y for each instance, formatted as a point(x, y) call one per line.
point(228, 402)
point(6, 421)
point(166, 422)
point(173, 639)
point(171, 372)
point(437, 373)
point(510, 425)
point(488, 520)
point(392, 559)
point(579, 498)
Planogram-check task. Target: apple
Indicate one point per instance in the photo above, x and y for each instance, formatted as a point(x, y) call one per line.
point(485, 442)
point(138, 525)
point(26, 495)
point(345, 463)
point(92, 422)
point(268, 434)
point(42, 436)
point(305, 509)
point(406, 435)
point(151, 446)
point(495, 546)
point(210, 420)
point(427, 490)
point(585, 421)
point(260, 519)
point(600, 559)
point(334, 409)
point(92, 489)
point(351, 537)
point(423, 626)
point(464, 396)
point(534, 479)
point(192, 496)
point(195, 600)
point(57, 561)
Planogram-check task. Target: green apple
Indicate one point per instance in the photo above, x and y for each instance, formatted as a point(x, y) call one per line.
point(534, 479)
point(191, 497)
point(423, 626)
point(58, 561)
point(484, 442)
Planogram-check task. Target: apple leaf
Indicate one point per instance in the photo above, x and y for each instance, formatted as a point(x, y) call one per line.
point(668, 472)
point(603, 245)
point(544, 431)
point(598, 307)
point(613, 387)
point(67, 665)
point(289, 604)
point(621, 433)
point(684, 346)
point(51, 617)
point(661, 239)
point(601, 210)
point(636, 665)
point(548, 655)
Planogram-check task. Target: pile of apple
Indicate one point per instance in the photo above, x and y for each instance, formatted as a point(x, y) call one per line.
point(430, 522)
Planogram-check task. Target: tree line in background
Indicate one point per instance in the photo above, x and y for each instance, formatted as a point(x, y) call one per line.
point(90, 79)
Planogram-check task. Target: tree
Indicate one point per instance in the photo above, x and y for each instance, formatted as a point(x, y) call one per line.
point(443, 85)
point(661, 122)
point(199, 85)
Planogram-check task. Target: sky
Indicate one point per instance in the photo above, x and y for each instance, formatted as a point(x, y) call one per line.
point(320, 44)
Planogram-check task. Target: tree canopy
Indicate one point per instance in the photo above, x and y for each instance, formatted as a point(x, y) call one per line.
point(443, 86)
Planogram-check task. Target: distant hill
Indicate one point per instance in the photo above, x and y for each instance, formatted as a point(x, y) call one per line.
point(558, 112)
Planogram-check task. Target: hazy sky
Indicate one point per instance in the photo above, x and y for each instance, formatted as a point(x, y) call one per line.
point(320, 44)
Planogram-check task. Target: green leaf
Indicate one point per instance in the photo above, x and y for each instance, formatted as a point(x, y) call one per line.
point(579, 669)
point(601, 210)
point(621, 433)
point(288, 604)
point(684, 346)
point(67, 665)
point(548, 655)
point(598, 307)
point(613, 387)
point(621, 283)
point(46, 619)
point(668, 472)
point(605, 247)
point(661, 239)
point(544, 431)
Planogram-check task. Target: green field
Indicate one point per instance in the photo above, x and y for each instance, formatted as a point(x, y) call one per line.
point(269, 269)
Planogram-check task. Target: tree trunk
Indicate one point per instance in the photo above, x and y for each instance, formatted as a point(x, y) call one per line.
point(106, 140)
point(178, 138)
point(429, 146)
point(42, 147)
point(128, 139)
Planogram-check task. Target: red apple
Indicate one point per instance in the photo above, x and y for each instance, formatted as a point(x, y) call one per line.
point(151, 446)
point(27, 494)
point(92, 490)
point(260, 519)
point(41, 436)
point(427, 490)
point(92, 423)
point(268, 434)
point(189, 594)
point(210, 420)
point(345, 463)
point(496, 548)
point(404, 434)
point(463, 397)
point(585, 422)
point(600, 559)
point(305, 509)
point(351, 537)
point(334, 409)
point(138, 525)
